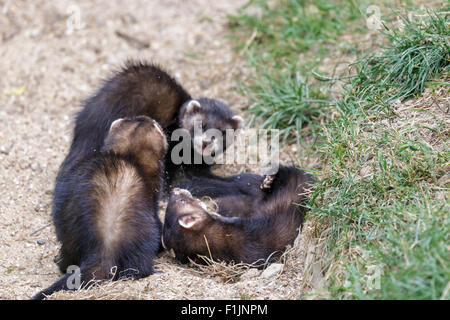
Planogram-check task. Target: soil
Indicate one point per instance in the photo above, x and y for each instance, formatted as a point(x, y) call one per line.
point(54, 55)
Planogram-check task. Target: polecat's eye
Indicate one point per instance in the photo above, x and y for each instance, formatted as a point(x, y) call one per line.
point(182, 201)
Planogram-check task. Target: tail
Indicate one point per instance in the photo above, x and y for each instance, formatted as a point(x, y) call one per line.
point(60, 284)
point(75, 279)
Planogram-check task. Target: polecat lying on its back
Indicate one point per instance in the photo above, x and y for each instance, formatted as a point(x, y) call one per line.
point(145, 89)
point(237, 195)
point(106, 214)
point(242, 230)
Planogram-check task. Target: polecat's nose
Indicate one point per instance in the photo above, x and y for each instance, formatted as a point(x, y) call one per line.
point(178, 191)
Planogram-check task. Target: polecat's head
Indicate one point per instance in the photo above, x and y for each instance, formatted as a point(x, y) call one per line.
point(136, 136)
point(207, 121)
point(189, 229)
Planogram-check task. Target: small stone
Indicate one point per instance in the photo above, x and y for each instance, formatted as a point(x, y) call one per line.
point(204, 84)
point(23, 164)
point(36, 166)
point(272, 271)
point(250, 274)
point(5, 149)
point(445, 179)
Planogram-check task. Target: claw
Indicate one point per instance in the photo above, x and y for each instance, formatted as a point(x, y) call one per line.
point(267, 183)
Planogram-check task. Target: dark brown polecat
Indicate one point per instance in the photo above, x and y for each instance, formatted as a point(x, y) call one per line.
point(106, 206)
point(256, 217)
point(146, 89)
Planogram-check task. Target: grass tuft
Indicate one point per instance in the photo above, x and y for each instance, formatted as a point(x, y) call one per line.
point(287, 105)
point(382, 194)
point(280, 32)
point(381, 174)
point(417, 53)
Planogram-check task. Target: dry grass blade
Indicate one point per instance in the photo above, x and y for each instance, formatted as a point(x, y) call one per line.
point(227, 272)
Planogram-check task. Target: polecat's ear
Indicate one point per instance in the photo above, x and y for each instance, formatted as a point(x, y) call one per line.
point(193, 106)
point(115, 124)
point(158, 128)
point(238, 122)
point(192, 221)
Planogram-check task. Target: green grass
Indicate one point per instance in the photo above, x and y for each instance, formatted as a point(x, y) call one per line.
point(273, 40)
point(415, 54)
point(390, 216)
point(286, 104)
point(283, 29)
point(381, 197)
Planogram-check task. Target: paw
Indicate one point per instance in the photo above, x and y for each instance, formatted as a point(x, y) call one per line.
point(267, 183)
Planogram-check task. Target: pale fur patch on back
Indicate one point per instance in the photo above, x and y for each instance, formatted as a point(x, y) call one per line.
point(116, 194)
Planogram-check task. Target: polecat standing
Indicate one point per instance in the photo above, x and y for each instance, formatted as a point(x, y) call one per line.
point(105, 214)
point(257, 217)
point(146, 89)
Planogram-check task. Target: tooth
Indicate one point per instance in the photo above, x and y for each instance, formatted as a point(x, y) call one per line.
point(203, 205)
point(162, 242)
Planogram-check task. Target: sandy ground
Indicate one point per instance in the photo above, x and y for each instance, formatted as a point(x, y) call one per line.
point(53, 55)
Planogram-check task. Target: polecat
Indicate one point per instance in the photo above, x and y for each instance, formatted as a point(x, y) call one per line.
point(146, 89)
point(105, 207)
point(257, 217)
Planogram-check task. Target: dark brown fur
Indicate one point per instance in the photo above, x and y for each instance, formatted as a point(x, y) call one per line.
point(143, 89)
point(106, 213)
point(242, 231)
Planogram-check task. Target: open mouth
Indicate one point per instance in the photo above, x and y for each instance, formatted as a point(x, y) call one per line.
point(208, 150)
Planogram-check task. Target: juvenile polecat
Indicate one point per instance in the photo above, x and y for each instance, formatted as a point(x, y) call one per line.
point(146, 89)
point(237, 195)
point(256, 219)
point(105, 212)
